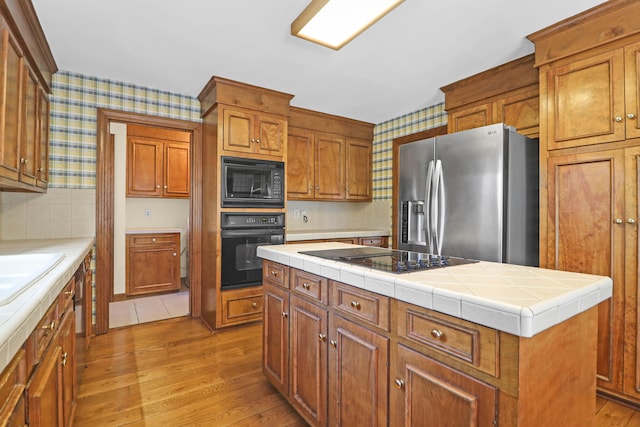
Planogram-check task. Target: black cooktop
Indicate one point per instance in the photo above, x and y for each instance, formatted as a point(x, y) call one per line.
point(391, 260)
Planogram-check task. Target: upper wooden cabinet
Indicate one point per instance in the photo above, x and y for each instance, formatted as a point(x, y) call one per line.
point(26, 66)
point(245, 131)
point(329, 157)
point(505, 94)
point(158, 162)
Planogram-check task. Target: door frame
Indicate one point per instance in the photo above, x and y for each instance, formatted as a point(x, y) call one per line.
point(105, 205)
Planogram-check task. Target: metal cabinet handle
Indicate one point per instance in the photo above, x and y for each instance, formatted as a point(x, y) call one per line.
point(306, 286)
point(51, 326)
point(254, 304)
point(398, 384)
point(68, 293)
point(322, 337)
point(253, 140)
point(355, 304)
point(153, 239)
point(166, 187)
point(437, 334)
point(631, 221)
point(618, 119)
point(333, 343)
point(285, 314)
point(618, 221)
point(631, 116)
point(64, 358)
point(175, 254)
point(158, 186)
point(274, 273)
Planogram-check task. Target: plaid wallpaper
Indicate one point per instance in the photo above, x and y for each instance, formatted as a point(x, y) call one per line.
point(383, 135)
point(74, 101)
point(76, 97)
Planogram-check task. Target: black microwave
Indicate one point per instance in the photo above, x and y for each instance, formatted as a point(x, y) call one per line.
point(249, 183)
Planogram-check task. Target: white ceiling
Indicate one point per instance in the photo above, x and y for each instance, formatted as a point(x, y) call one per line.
point(395, 67)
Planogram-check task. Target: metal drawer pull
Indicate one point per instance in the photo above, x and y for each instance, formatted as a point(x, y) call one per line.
point(51, 326)
point(631, 221)
point(322, 337)
point(285, 314)
point(306, 286)
point(355, 304)
point(274, 273)
point(333, 343)
point(64, 358)
point(68, 293)
point(398, 383)
point(254, 304)
point(436, 333)
point(618, 119)
point(631, 116)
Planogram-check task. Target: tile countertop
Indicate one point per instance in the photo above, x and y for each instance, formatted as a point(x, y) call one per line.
point(519, 300)
point(293, 235)
point(20, 317)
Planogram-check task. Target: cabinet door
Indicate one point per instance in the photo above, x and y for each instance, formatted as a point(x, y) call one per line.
point(177, 175)
point(68, 357)
point(29, 144)
point(632, 285)
point(275, 354)
point(521, 110)
point(271, 135)
point(358, 170)
point(144, 167)
point(11, 88)
point(358, 375)
point(43, 140)
point(308, 353)
point(585, 198)
point(237, 131)
point(329, 167)
point(428, 393)
point(300, 164)
point(585, 101)
point(470, 118)
point(632, 90)
point(43, 393)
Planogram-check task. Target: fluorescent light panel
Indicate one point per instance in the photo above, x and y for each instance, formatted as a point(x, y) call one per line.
point(334, 23)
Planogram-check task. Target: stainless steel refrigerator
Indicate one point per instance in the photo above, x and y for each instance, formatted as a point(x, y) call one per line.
point(471, 194)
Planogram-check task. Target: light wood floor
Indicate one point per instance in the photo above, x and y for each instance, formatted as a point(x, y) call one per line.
point(177, 373)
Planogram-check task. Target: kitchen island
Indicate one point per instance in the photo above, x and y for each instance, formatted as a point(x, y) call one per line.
point(474, 344)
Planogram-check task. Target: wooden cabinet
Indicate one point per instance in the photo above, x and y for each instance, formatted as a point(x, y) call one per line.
point(504, 94)
point(429, 393)
point(12, 385)
point(247, 131)
point(329, 157)
point(238, 120)
point(275, 356)
point(588, 128)
point(153, 263)
point(158, 162)
point(27, 66)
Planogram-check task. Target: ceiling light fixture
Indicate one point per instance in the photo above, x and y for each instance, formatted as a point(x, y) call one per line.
point(334, 23)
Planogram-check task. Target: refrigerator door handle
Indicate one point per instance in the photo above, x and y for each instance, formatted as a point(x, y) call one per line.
point(441, 206)
point(427, 201)
point(433, 207)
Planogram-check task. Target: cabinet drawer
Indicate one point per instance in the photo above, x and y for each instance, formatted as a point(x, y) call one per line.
point(473, 344)
point(66, 296)
point(242, 306)
point(274, 273)
point(366, 306)
point(40, 338)
point(372, 241)
point(309, 285)
point(153, 239)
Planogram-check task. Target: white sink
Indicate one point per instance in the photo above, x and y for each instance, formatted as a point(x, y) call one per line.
point(19, 272)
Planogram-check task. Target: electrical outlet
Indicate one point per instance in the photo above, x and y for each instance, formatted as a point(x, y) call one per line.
point(147, 213)
point(296, 213)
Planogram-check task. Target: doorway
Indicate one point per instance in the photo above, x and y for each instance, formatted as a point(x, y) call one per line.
point(105, 207)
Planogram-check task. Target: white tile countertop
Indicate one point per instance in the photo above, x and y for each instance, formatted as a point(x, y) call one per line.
point(295, 235)
point(516, 299)
point(19, 317)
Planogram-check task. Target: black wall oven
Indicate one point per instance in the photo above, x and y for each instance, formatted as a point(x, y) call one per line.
point(241, 234)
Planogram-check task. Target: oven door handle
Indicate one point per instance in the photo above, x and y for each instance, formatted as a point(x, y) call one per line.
point(252, 232)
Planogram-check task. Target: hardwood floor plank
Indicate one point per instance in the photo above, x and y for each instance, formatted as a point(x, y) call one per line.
point(613, 414)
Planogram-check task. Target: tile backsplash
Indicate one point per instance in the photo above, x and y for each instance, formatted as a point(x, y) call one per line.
point(58, 213)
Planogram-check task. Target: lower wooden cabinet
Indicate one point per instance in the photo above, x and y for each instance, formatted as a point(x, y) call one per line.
point(241, 305)
point(12, 385)
point(153, 263)
point(429, 393)
point(275, 340)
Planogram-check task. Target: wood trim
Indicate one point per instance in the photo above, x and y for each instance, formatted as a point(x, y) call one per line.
point(495, 81)
point(397, 142)
point(602, 24)
point(104, 207)
point(328, 123)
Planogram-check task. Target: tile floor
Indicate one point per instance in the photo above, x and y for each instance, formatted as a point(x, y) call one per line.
point(148, 309)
